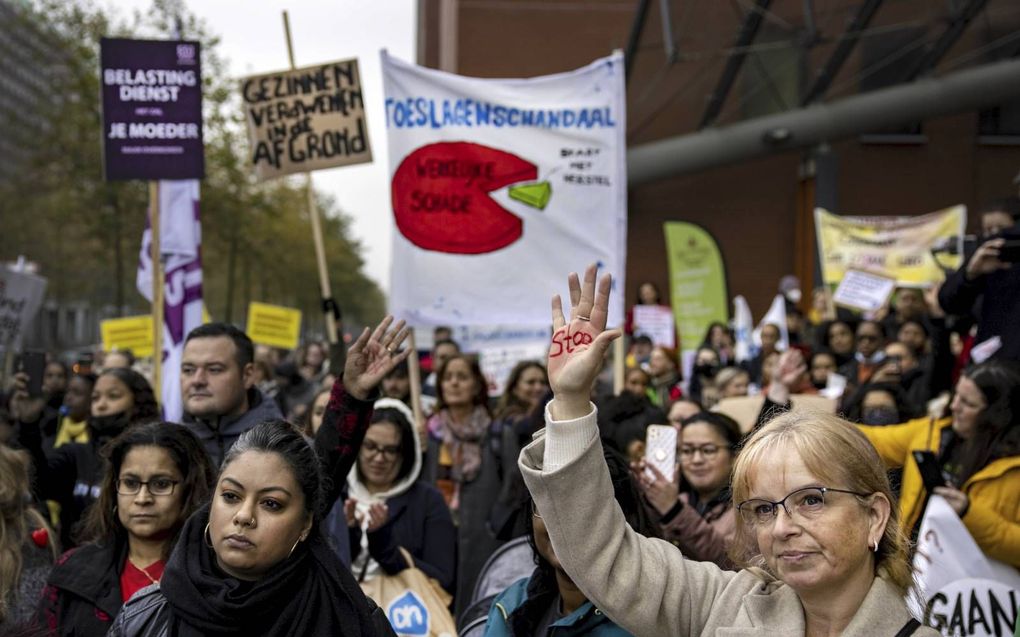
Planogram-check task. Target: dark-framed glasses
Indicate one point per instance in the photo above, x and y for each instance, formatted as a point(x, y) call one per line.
point(707, 451)
point(389, 452)
point(156, 486)
point(803, 504)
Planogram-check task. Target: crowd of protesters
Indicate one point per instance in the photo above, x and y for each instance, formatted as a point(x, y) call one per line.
point(298, 481)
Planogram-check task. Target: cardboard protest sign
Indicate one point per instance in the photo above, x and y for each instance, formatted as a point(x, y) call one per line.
point(499, 187)
point(131, 332)
point(21, 294)
point(274, 325)
point(899, 247)
point(697, 280)
point(863, 291)
point(306, 119)
point(964, 592)
point(152, 109)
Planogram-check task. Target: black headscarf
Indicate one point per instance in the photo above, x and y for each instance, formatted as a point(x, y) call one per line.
point(309, 593)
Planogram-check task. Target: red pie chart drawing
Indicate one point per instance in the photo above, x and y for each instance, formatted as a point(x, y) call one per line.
point(441, 197)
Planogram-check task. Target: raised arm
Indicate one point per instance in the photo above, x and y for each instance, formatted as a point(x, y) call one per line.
point(349, 409)
point(644, 585)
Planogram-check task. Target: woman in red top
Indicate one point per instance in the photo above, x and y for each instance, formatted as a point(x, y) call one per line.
point(157, 475)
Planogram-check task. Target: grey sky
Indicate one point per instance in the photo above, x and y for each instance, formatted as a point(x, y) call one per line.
point(252, 39)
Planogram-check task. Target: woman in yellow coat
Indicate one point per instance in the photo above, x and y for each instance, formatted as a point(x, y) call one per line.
point(978, 451)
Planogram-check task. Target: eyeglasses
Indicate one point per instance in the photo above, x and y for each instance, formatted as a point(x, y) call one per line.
point(156, 486)
point(807, 504)
point(389, 452)
point(707, 451)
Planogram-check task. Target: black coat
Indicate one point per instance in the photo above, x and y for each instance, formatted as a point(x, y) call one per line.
point(70, 475)
point(999, 293)
point(82, 595)
point(420, 522)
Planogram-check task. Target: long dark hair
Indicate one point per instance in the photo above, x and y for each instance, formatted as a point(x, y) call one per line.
point(101, 524)
point(543, 589)
point(509, 404)
point(145, 408)
point(997, 432)
point(481, 397)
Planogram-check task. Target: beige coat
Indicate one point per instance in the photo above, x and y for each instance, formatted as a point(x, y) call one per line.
point(647, 587)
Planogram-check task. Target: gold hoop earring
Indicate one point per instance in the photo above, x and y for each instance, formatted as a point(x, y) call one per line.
point(207, 536)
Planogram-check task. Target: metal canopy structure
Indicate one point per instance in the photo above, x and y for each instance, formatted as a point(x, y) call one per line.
point(745, 37)
point(923, 59)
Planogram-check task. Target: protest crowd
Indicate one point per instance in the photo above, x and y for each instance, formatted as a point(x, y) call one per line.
point(847, 465)
point(293, 476)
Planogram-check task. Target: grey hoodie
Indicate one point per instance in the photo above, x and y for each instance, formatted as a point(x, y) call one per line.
point(219, 434)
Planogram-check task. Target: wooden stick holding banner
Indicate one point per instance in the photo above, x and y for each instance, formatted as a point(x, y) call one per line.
point(619, 365)
point(313, 214)
point(414, 376)
point(157, 292)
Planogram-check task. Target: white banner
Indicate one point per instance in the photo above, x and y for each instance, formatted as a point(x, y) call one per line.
point(501, 187)
point(180, 244)
point(964, 591)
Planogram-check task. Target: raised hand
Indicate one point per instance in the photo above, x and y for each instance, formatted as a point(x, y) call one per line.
point(579, 346)
point(373, 356)
point(24, 408)
point(986, 259)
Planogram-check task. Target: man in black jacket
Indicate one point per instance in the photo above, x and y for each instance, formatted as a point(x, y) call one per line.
point(218, 387)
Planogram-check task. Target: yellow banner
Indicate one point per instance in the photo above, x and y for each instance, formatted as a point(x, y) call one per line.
point(131, 332)
point(896, 247)
point(274, 325)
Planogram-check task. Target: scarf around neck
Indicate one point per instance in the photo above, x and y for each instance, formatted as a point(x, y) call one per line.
point(309, 593)
point(464, 440)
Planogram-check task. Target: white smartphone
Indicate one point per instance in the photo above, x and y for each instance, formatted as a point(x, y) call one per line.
point(660, 449)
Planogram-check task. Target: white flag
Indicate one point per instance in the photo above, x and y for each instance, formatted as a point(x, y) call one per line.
point(180, 246)
point(775, 316)
point(964, 593)
point(501, 187)
point(742, 323)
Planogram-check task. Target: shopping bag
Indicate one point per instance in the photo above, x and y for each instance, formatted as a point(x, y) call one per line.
point(415, 604)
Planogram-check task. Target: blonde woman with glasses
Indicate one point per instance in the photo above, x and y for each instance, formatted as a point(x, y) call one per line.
point(824, 552)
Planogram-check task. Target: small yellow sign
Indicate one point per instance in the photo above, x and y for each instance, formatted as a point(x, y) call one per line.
point(131, 332)
point(274, 325)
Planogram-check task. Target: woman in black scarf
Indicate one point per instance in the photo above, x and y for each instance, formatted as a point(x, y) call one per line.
point(254, 562)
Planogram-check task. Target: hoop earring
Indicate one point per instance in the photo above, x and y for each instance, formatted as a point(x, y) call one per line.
point(207, 537)
point(874, 548)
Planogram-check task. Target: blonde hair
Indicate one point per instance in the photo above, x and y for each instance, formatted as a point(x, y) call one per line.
point(17, 517)
point(726, 375)
point(820, 439)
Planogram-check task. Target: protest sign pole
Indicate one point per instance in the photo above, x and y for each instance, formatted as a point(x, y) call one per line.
point(414, 375)
point(313, 214)
point(619, 365)
point(157, 292)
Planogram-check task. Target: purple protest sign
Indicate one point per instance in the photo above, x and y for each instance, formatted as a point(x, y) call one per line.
point(152, 109)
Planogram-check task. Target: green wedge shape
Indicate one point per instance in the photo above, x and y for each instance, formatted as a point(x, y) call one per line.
point(536, 195)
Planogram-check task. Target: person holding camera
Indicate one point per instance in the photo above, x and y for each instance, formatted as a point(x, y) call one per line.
point(990, 276)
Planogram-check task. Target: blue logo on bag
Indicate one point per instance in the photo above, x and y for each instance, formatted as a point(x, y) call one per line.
point(408, 615)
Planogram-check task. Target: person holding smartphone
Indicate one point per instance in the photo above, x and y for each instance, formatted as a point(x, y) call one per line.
point(816, 527)
point(699, 518)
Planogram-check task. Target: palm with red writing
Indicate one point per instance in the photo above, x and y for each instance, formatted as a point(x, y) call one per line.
point(373, 356)
point(579, 346)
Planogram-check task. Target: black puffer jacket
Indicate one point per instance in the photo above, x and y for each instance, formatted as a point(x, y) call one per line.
point(147, 614)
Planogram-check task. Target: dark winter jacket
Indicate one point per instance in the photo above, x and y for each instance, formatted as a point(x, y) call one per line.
point(69, 475)
point(999, 293)
point(219, 434)
point(82, 595)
